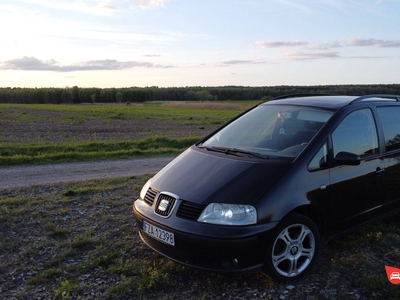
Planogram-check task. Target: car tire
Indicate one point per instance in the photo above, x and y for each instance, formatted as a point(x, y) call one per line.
point(293, 249)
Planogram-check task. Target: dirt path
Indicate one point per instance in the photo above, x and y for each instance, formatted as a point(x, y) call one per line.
point(13, 177)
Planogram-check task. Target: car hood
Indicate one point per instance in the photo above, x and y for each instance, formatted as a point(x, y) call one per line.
point(204, 177)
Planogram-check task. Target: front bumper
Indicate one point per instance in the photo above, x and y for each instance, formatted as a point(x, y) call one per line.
point(207, 246)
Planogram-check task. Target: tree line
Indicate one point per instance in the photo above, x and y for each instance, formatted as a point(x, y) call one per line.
point(76, 95)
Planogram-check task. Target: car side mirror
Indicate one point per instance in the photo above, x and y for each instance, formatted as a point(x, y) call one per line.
point(347, 158)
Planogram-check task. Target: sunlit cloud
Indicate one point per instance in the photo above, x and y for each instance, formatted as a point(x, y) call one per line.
point(34, 64)
point(145, 4)
point(106, 5)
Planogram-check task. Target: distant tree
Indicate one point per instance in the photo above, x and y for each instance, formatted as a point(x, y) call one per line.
point(75, 94)
point(119, 97)
point(67, 96)
point(47, 97)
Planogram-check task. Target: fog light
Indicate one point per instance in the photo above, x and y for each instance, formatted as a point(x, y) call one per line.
point(230, 263)
point(235, 262)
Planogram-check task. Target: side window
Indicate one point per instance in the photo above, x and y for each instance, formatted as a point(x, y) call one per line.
point(356, 134)
point(390, 119)
point(320, 160)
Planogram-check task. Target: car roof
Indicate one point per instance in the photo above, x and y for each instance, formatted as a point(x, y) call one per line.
point(332, 102)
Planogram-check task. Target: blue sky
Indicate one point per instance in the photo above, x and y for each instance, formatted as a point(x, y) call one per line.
point(124, 43)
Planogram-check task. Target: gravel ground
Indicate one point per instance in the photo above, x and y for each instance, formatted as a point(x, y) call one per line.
point(13, 177)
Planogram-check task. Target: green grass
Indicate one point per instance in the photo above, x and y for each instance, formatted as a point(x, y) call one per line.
point(12, 154)
point(81, 114)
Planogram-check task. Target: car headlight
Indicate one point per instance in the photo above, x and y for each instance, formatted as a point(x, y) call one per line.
point(229, 214)
point(144, 189)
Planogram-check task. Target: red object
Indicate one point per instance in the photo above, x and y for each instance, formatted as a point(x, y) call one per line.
point(393, 274)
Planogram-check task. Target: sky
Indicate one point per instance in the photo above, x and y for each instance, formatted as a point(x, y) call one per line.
point(178, 43)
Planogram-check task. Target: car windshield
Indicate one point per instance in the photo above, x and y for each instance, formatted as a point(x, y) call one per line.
point(269, 131)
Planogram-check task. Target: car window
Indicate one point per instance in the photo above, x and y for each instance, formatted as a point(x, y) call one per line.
point(320, 160)
point(274, 130)
point(390, 119)
point(356, 134)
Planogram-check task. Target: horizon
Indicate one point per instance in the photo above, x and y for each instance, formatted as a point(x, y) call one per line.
point(204, 87)
point(176, 43)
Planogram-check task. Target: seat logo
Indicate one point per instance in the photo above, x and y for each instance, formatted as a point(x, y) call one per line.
point(163, 206)
point(294, 250)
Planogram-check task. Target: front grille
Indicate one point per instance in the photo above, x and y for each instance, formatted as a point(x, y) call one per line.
point(187, 210)
point(150, 196)
point(190, 211)
point(164, 205)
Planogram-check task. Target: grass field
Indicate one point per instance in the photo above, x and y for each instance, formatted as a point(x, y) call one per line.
point(36, 134)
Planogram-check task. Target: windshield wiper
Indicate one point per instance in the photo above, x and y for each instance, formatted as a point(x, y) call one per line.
point(234, 151)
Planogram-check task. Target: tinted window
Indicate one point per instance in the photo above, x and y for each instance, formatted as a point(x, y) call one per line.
point(390, 119)
point(356, 134)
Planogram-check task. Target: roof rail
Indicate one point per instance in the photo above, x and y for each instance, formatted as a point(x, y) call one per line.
point(383, 96)
point(299, 95)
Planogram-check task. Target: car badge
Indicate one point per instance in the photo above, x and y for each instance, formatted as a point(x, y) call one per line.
point(163, 205)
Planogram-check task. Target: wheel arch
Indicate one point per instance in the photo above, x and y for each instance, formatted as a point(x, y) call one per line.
point(311, 213)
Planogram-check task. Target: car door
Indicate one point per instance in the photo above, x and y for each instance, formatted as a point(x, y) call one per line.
point(356, 190)
point(390, 121)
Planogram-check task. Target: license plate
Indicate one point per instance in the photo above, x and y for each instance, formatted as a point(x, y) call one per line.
point(158, 233)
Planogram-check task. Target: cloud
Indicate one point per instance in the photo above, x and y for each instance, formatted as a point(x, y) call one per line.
point(145, 4)
point(239, 62)
point(326, 50)
point(106, 5)
point(279, 44)
point(330, 45)
point(312, 56)
point(372, 43)
point(151, 55)
point(83, 6)
point(326, 45)
point(34, 64)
